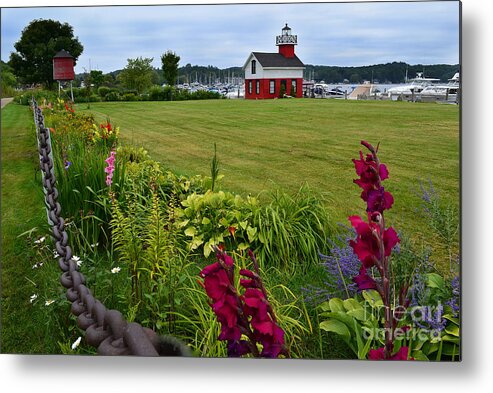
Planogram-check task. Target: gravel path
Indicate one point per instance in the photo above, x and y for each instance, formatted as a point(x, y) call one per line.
point(5, 101)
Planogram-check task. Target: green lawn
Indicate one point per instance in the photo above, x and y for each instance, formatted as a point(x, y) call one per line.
point(290, 142)
point(22, 210)
point(260, 143)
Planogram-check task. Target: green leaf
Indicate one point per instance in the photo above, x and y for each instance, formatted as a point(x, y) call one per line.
point(429, 347)
point(359, 314)
point(450, 349)
point(196, 242)
point(418, 344)
point(451, 318)
point(243, 246)
point(435, 281)
point(336, 304)
point(453, 330)
point(251, 232)
point(363, 348)
point(451, 339)
point(224, 222)
point(419, 355)
point(342, 317)
point(337, 327)
point(373, 298)
point(208, 247)
point(205, 221)
point(325, 306)
point(352, 304)
point(190, 231)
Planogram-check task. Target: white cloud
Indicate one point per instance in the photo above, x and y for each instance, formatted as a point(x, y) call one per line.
point(223, 35)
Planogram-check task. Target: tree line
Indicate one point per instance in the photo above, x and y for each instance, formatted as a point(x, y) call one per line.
point(394, 72)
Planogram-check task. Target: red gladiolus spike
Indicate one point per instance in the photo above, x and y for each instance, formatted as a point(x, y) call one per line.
point(247, 273)
point(367, 245)
point(390, 239)
point(383, 172)
point(247, 283)
point(250, 315)
point(364, 281)
point(210, 269)
point(367, 145)
point(374, 243)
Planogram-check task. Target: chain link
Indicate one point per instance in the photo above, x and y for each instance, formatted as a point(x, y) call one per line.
point(105, 329)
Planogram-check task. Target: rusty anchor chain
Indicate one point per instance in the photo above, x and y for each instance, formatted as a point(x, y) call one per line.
point(105, 329)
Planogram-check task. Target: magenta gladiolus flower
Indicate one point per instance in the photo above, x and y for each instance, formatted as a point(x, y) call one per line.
point(379, 354)
point(110, 168)
point(364, 281)
point(367, 244)
point(373, 246)
point(249, 315)
point(371, 174)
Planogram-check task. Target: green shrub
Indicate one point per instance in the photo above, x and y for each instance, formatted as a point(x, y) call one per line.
point(158, 93)
point(288, 232)
point(282, 91)
point(130, 96)
point(113, 95)
point(103, 91)
point(217, 218)
point(42, 97)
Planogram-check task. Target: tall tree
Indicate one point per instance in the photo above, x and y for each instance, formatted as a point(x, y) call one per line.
point(40, 41)
point(97, 78)
point(170, 62)
point(137, 75)
point(8, 80)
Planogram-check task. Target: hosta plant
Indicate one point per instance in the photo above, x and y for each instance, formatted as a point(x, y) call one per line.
point(216, 218)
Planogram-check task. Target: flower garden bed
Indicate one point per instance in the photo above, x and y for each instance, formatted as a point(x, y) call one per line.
point(235, 276)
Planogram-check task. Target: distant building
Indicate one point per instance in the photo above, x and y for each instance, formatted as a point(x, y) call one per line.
point(265, 73)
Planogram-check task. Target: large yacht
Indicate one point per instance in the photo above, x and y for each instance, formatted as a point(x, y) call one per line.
point(448, 92)
point(416, 86)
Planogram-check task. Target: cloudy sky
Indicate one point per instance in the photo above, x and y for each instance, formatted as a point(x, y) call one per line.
point(345, 34)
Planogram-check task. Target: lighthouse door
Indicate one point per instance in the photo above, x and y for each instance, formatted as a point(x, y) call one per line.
point(284, 86)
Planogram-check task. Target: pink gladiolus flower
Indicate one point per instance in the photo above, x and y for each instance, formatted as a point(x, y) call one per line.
point(110, 168)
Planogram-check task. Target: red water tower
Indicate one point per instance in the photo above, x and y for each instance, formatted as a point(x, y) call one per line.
point(63, 66)
point(63, 70)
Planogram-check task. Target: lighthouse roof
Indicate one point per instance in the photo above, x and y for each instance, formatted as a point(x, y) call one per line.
point(63, 54)
point(277, 60)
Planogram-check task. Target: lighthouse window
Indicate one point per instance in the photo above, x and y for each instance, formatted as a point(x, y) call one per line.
point(272, 87)
point(249, 87)
point(257, 88)
point(254, 67)
point(293, 84)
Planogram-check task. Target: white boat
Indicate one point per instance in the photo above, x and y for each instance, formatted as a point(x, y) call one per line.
point(323, 90)
point(235, 92)
point(446, 92)
point(416, 86)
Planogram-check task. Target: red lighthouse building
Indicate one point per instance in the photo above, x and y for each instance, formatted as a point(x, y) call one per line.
point(267, 75)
